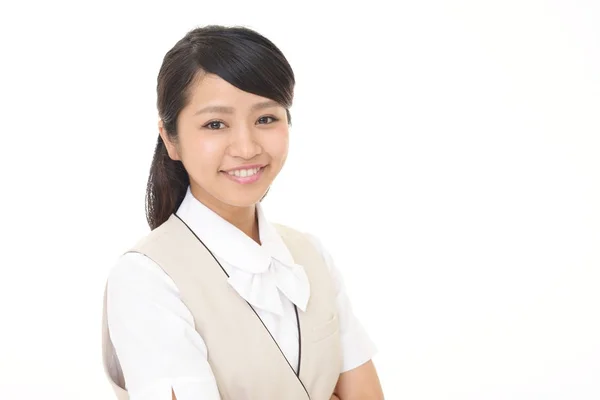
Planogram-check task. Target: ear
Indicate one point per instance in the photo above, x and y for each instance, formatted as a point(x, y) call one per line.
point(171, 147)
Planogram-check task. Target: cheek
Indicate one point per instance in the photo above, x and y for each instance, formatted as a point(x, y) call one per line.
point(277, 145)
point(202, 153)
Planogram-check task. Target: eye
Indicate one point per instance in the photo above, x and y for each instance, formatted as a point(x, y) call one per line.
point(265, 118)
point(213, 125)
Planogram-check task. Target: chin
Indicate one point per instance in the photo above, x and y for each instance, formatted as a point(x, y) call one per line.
point(243, 200)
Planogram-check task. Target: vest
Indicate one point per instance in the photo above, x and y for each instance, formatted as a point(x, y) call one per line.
point(245, 359)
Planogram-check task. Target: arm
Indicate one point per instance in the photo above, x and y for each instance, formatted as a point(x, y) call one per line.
point(153, 334)
point(361, 383)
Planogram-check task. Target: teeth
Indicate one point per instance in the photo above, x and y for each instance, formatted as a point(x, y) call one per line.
point(243, 173)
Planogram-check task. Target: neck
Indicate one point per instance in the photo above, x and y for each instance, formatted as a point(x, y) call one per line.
point(243, 218)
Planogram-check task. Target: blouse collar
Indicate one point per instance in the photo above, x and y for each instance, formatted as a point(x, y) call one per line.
point(260, 273)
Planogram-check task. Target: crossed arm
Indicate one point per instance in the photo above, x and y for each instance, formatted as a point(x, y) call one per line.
point(361, 383)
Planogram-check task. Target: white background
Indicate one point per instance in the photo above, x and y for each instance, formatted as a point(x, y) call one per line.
point(445, 152)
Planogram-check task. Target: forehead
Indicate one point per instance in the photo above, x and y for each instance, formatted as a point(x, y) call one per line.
point(212, 89)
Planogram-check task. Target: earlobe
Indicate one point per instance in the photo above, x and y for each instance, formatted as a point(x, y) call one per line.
point(170, 146)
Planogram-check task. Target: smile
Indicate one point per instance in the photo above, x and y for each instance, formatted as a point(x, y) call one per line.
point(242, 173)
point(245, 176)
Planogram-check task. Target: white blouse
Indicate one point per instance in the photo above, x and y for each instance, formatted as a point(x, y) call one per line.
point(153, 331)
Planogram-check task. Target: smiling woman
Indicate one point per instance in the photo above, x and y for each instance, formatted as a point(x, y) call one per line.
point(216, 302)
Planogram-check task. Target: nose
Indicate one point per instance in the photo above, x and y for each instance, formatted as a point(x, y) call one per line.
point(244, 143)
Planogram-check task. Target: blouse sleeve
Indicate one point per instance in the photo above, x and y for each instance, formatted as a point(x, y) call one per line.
point(357, 347)
point(153, 334)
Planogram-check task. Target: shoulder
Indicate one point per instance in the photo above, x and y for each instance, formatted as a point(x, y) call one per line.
point(136, 276)
point(166, 230)
point(315, 243)
point(290, 233)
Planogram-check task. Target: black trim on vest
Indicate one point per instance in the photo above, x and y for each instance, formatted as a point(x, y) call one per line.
point(299, 341)
point(257, 316)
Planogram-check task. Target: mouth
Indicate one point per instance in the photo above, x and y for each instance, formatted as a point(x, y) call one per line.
point(245, 175)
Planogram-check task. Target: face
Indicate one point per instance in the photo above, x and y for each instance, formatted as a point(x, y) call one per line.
point(232, 143)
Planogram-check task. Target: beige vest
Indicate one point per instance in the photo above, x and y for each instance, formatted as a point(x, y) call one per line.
point(244, 357)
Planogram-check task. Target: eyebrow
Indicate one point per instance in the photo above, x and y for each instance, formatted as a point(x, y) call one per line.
point(230, 110)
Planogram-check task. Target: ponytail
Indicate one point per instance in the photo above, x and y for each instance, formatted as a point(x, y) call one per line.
point(166, 188)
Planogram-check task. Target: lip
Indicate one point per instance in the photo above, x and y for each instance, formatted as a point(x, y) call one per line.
point(246, 179)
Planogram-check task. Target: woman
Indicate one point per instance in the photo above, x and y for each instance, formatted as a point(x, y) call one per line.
point(216, 302)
